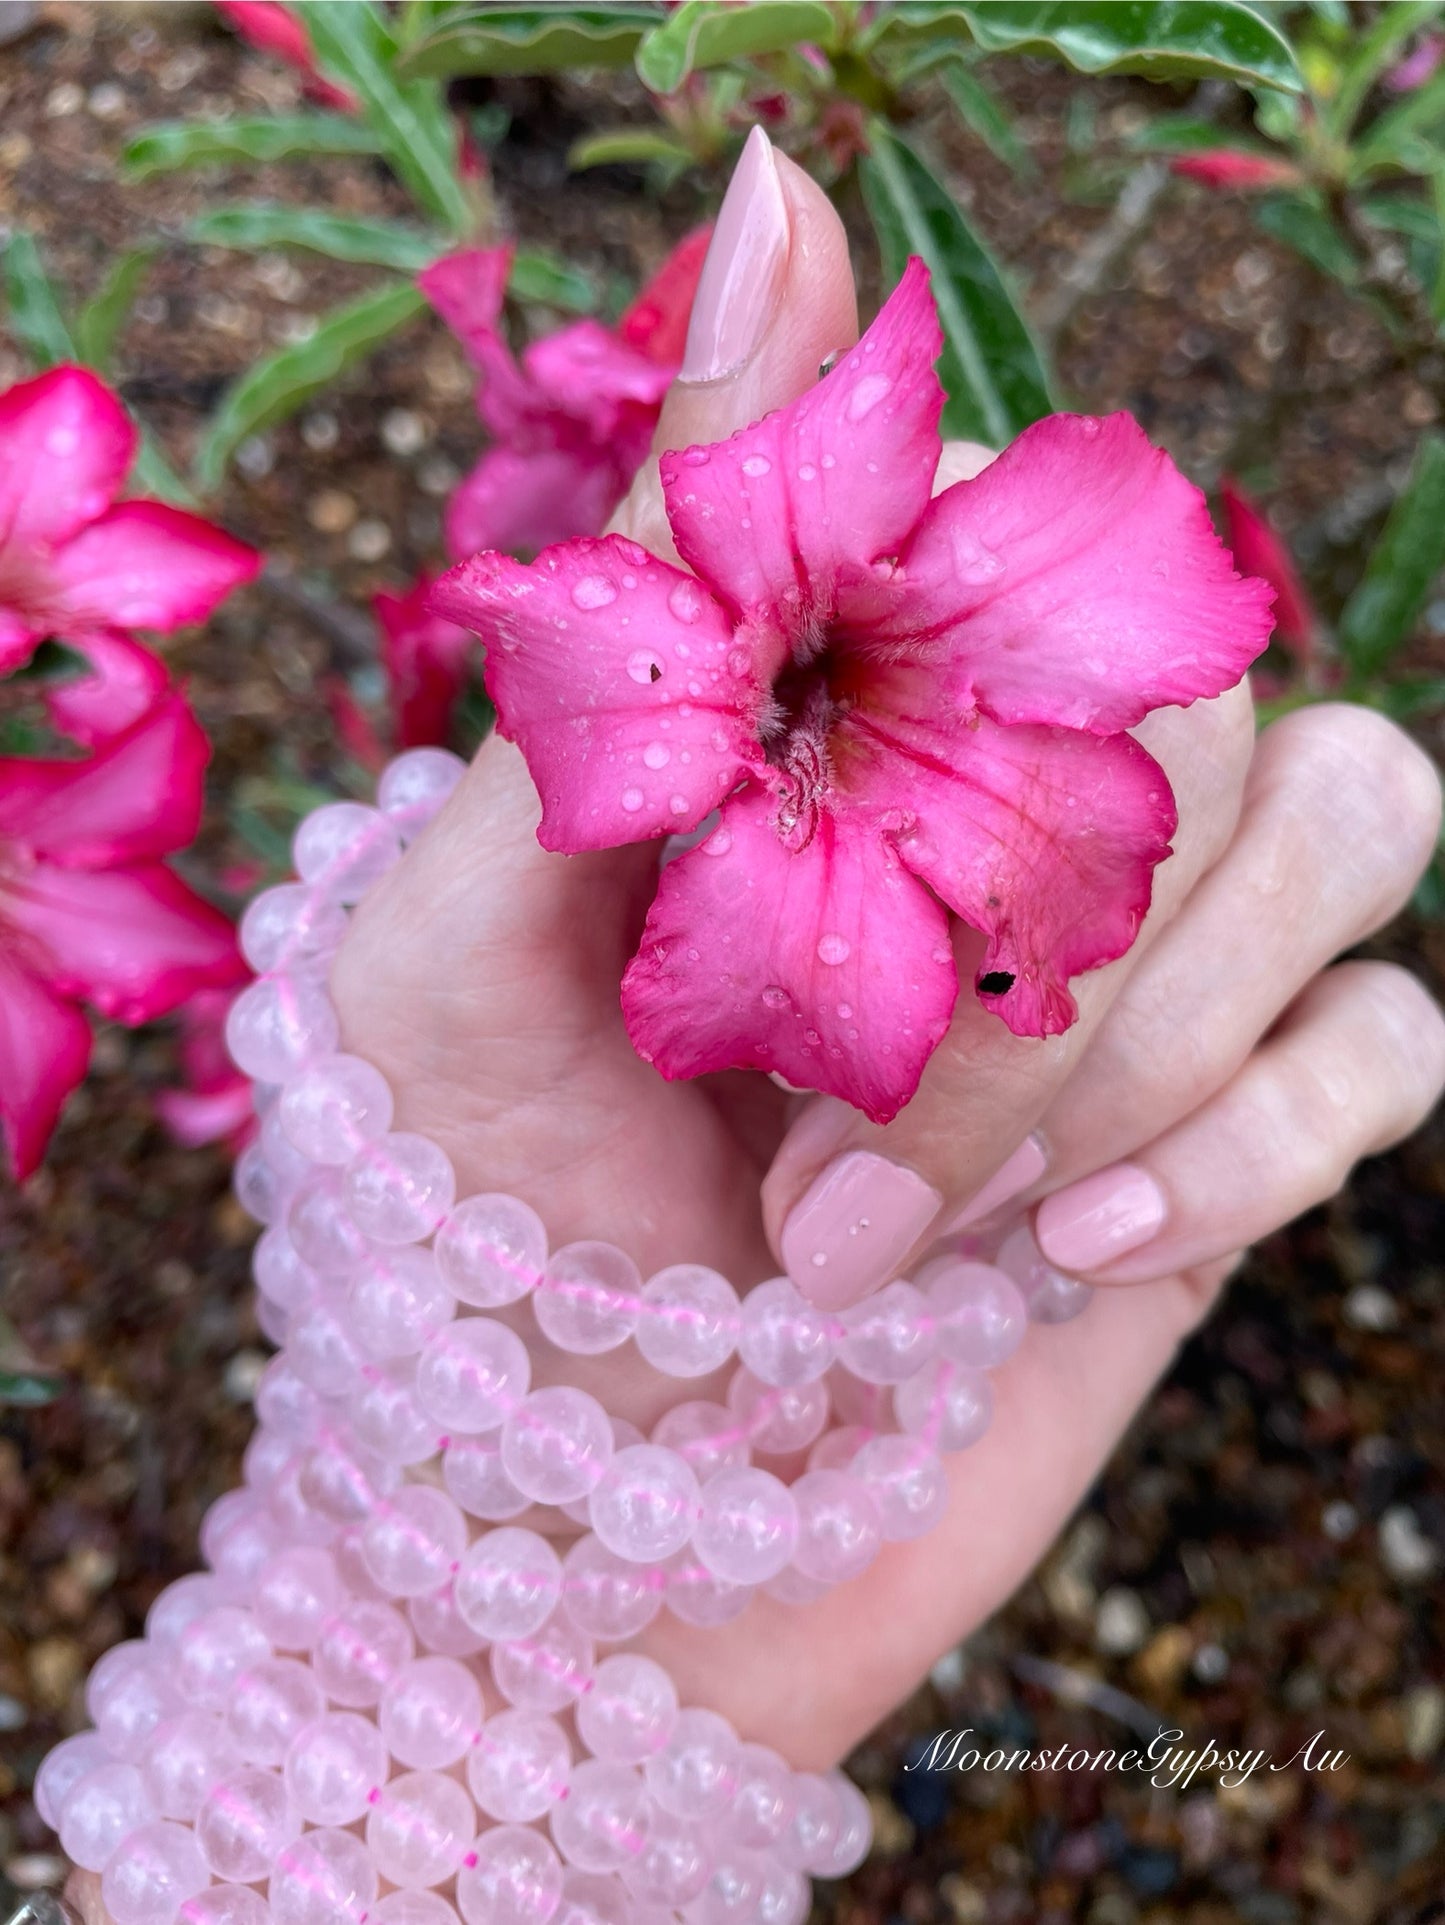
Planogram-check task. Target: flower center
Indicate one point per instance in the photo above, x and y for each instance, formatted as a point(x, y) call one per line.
point(809, 698)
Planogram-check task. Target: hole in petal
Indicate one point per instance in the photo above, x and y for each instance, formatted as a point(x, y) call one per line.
point(997, 982)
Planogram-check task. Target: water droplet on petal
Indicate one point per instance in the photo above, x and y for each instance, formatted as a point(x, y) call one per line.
point(678, 804)
point(807, 472)
point(1089, 424)
point(593, 591)
point(834, 949)
point(643, 666)
point(845, 1010)
point(757, 465)
point(975, 563)
point(686, 601)
point(657, 755)
point(631, 800)
point(697, 457)
point(774, 997)
point(830, 461)
point(718, 843)
point(872, 389)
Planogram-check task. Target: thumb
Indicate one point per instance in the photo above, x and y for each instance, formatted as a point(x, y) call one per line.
point(774, 300)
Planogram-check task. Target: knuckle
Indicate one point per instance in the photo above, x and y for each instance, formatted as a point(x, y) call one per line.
point(1409, 1035)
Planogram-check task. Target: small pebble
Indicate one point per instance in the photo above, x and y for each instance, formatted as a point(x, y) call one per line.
point(64, 99)
point(332, 511)
point(1339, 1520)
point(1368, 1307)
point(255, 457)
point(1405, 1551)
point(892, 1833)
point(292, 329)
point(967, 1905)
point(320, 432)
point(107, 101)
point(12, 1713)
point(402, 432)
point(948, 1674)
point(369, 540)
point(243, 1374)
point(1121, 1624)
point(437, 475)
point(1211, 1664)
point(1424, 1721)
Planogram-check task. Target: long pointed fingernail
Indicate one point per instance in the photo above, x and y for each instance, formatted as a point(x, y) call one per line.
point(853, 1226)
point(742, 277)
point(1010, 1179)
point(1100, 1218)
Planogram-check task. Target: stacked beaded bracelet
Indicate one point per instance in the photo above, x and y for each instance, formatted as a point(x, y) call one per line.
point(242, 1765)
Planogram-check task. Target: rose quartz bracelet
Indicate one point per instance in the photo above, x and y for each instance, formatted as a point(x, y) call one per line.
point(308, 1732)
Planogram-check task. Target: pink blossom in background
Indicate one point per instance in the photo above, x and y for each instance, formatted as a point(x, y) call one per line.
point(214, 1104)
point(89, 912)
point(81, 567)
point(901, 706)
point(427, 661)
point(1259, 550)
point(1228, 168)
point(275, 29)
point(571, 418)
point(1421, 64)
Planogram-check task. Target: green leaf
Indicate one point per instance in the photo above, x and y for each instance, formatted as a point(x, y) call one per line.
point(1161, 39)
point(704, 33)
point(1184, 134)
point(1382, 613)
point(194, 143)
point(154, 475)
point(990, 368)
point(1408, 135)
point(276, 386)
point(628, 146)
point(35, 317)
point(1404, 700)
point(100, 321)
point(980, 108)
point(1300, 221)
point(342, 237)
point(1374, 51)
point(528, 40)
point(1437, 293)
point(28, 1389)
point(543, 278)
point(409, 118)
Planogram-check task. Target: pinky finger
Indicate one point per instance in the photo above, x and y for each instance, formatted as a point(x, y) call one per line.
point(1354, 1065)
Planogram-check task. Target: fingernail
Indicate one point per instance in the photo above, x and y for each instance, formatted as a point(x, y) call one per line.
point(1011, 1179)
point(853, 1226)
point(1101, 1217)
point(742, 277)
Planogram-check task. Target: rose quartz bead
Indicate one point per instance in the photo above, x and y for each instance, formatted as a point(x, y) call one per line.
point(906, 1481)
point(299, 1519)
point(441, 1627)
point(630, 1711)
point(243, 1822)
point(399, 1187)
point(419, 1829)
point(747, 1526)
point(556, 1445)
point(268, 1705)
point(731, 1895)
point(785, 1898)
point(777, 1422)
point(839, 1530)
point(335, 1106)
point(288, 926)
point(689, 1320)
point(887, 1336)
point(322, 1348)
point(836, 1449)
point(238, 1534)
point(180, 1604)
point(386, 1417)
point(325, 1234)
point(264, 1459)
point(762, 1807)
point(281, 1153)
point(431, 1713)
point(546, 1672)
point(64, 1767)
point(280, 1272)
point(851, 1835)
point(343, 1482)
point(412, 1908)
point(128, 1695)
point(213, 1651)
point(99, 1810)
point(607, 1596)
point(508, 1584)
point(258, 1186)
point(412, 1544)
point(296, 1591)
point(344, 848)
point(791, 1587)
point(325, 1878)
point(588, 1299)
point(286, 1405)
point(152, 1874)
point(707, 1436)
point(519, 1767)
point(472, 1374)
point(819, 1817)
point(359, 1651)
point(492, 1250)
point(624, 1435)
point(697, 1596)
point(226, 1905)
point(334, 1766)
point(782, 1338)
point(357, 1581)
point(279, 1024)
point(673, 1866)
point(593, 1898)
point(979, 1314)
point(513, 1877)
point(473, 1472)
point(1051, 1296)
point(869, 1406)
point(600, 1825)
point(272, 1321)
point(411, 793)
point(946, 1405)
point(646, 1505)
point(698, 1772)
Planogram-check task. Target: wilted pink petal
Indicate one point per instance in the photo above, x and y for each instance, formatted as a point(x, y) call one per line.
point(126, 680)
point(831, 965)
point(622, 681)
point(525, 500)
point(146, 565)
point(656, 322)
point(66, 445)
point(427, 661)
point(44, 1052)
point(783, 518)
point(136, 799)
point(1259, 550)
point(275, 29)
point(1077, 581)
point(1227, 168)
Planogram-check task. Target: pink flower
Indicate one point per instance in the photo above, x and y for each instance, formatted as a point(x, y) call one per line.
point(89, 913)
point(1228, 168)
point(901, 706)
point(275, 29)
point(571, 418)
point(426, 660)
point(215, 1106)
point(1258, 550)
point(82, 567)
point(1422, 63)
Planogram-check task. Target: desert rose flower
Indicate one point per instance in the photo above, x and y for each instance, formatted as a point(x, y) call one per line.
point(1259, 550)
point(901, 706)
point(81, 567)
point(571, 417)
point(426, 659)
point(89, 912)
point(1230, 168)
point(274, 29)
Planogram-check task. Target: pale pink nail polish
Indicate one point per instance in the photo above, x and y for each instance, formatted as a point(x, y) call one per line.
point(742, 277)
point(853, 1226)
point(1010, 1179)
point(1099, 1218)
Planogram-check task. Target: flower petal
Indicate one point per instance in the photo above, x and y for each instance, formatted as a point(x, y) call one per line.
point(426, 660)
point(147, 565)
point(1077, 581)
point(831, 965)
point(467, 289)
point(138, 798)
point(656, 322)
point(275, 29)
point(521, 500)
point(135, 942)
point(66, 445)
point(126, 680)
point(618, 676)
point(784, 515)
point(1044, 839)
point(44, 1052)
point(1259, 549)
point(17, 642)
point(586, 374)
point(216, 1116)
